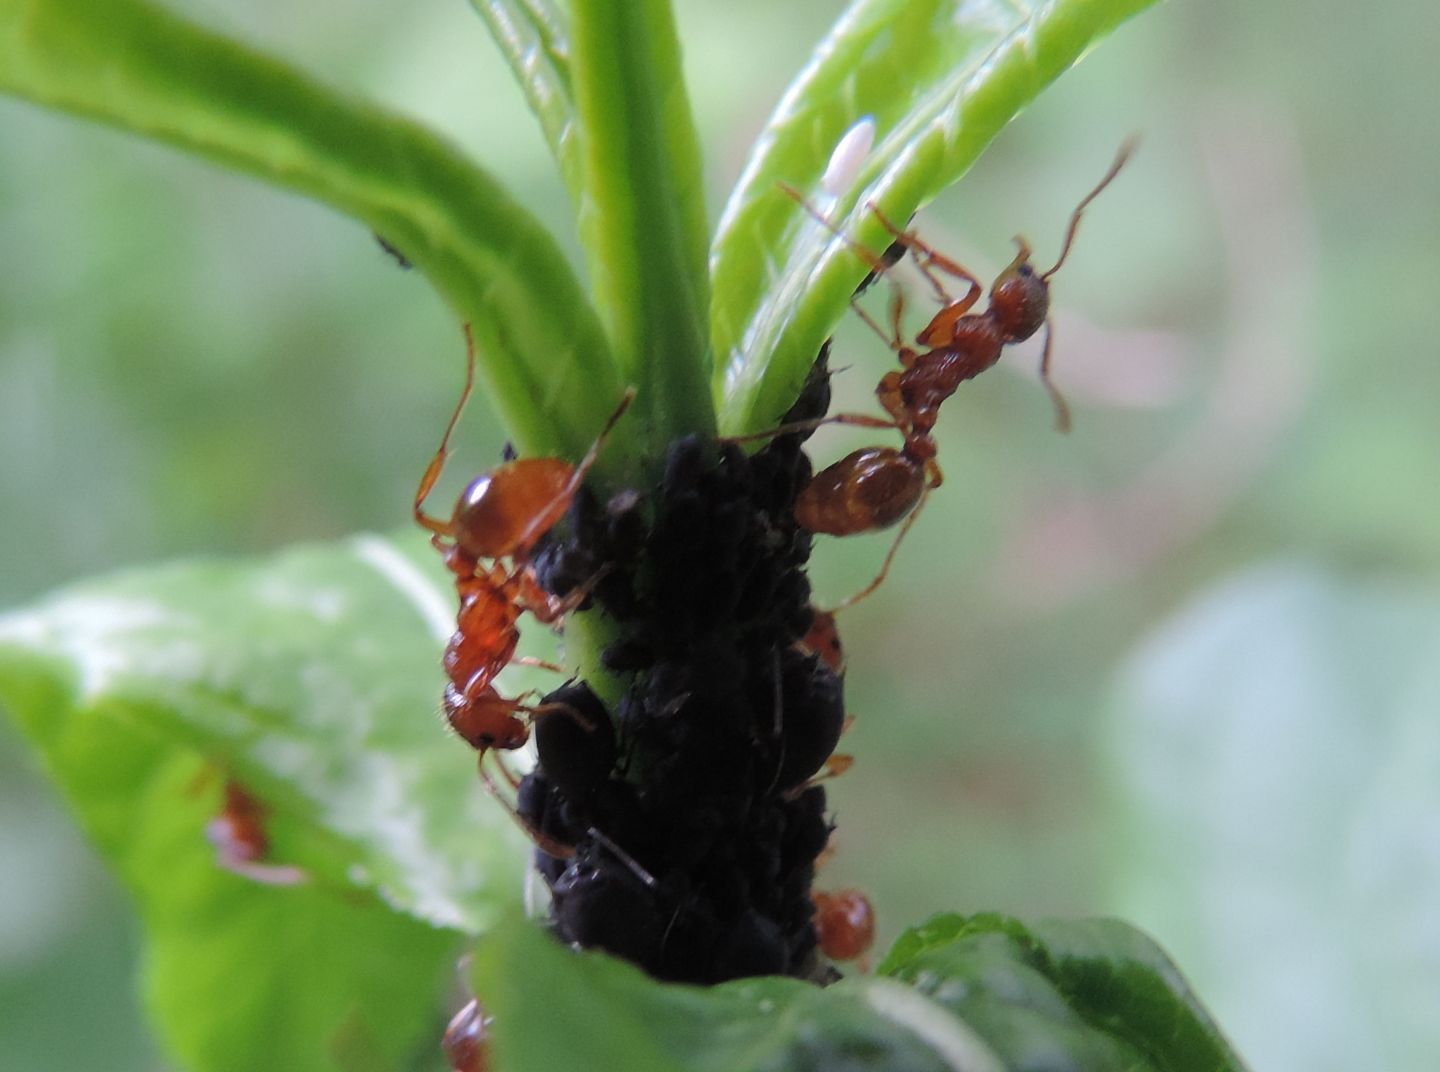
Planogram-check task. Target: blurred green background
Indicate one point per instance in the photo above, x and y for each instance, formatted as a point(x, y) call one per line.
point(1175, 667)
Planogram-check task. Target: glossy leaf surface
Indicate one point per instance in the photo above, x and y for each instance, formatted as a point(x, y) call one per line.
point(983, 994)
point(642, 211)
point(535, 41)
point(940, 78)
point(312, 680)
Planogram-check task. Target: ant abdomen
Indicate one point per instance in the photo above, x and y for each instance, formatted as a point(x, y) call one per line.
point(871, 488)
point(844, 923)
point(507, 510)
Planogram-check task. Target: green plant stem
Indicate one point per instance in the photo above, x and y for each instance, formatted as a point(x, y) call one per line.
point(136, 66)
point(642, 216)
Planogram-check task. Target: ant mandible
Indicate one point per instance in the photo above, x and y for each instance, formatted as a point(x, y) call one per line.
point(875, 487)
point(487, 543)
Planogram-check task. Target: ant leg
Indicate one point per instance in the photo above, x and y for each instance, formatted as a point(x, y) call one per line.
point(543, 841)
point(893, 341)
point(933, 473)
point(561, 709)
point(889, 558)
point(510, 778)
point(530, 660)
point(557, 506)
point(927, 259)
point(833, 767)
point(549, 609)
point(1062, 408)
point(876, 262)
point(856, 420)
point(892, 399)
point(437, 463)
point(909, 357)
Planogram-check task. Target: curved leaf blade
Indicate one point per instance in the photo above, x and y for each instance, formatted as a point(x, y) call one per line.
point(313, 678)
point(310, 679)
point(134, 65)
point(642, 217)
point(617, 1017)
point(940, 78)
point(984, 994)
point(535, 42)
point(1098, 990)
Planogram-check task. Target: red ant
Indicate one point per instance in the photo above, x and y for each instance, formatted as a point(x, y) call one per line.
point(466, 1043)
point(875, 487)
point(497, 522)
point(844, 923)
point(823, 640)
point(241, 843)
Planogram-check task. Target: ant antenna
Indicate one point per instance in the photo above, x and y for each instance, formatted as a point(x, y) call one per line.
point(437, 463)
point(1123, 155)
point(872, 260)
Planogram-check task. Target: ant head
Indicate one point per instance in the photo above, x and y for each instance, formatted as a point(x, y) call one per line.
point(1020, 297)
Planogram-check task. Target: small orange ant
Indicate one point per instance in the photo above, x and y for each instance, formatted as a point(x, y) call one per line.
point(844, 923)
point(466, 1043)
point(241, 843)
point(823, 641)
point(875, 487)
point(487, 544)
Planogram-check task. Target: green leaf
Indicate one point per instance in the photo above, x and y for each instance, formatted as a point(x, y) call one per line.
point(1098, 992)
point(642, 218)
point(1275, 754)
point(312, 679)
point(535, 42)
point(614, 1016)
point(940, 78)
point(985, 994)
point(136, 66)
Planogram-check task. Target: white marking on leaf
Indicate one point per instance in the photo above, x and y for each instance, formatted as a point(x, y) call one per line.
point(950, 1037)
point(412, 583)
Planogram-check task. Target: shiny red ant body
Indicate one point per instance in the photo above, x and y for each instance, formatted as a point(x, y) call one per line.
point(823, 640)
point(466, 1043)
point(844, 923)
point(241, 843)
point(876, 487)
point(487, 544)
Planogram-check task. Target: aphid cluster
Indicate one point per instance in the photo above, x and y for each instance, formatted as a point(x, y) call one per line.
point(677, 824)
point(694, 825)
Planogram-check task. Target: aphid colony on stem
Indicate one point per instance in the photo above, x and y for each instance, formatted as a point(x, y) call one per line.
point(679, 826)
